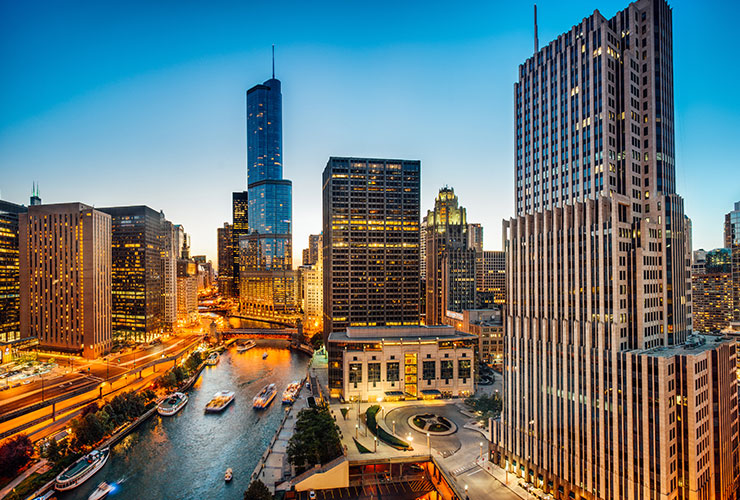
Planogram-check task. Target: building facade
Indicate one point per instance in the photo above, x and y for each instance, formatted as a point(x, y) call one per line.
point(711, 290)
point(475, 237)
point(370, 243)
point(312, 286)
point(392, 363)
point(138, 236)
point(239, 228)
point(187, 290)
point(488, 327)
point(169, 275)
point(732, 241)
point(65, 277)
point(598, 307)
point(490, 279)
point(225, 260)
point(10, 285)
point(450, 260)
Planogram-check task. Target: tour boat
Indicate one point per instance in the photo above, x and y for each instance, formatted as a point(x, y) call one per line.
point(101, 491)
point(82, 470)
point(220, 401)
point(172, 404)
point(265, 397)
point(213, 359)
point(264, 355)
point(246, 346)
point(229, 474)
point(291, 393)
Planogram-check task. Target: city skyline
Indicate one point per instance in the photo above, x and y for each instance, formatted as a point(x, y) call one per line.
point(198, 147)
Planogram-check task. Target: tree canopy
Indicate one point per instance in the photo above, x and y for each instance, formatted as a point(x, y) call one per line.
point(315, 439)
point(257, 491)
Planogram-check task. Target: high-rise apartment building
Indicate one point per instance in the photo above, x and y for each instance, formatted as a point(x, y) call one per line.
point(475, 237)
point(370, 243)
point(170, 254)
point(732, 241)
point(187, 289)
point(65, 276)
point(138, 236)
point(450, 260)
point(490, 278)
point(311, 254)
point(239, 229)
point(603, 395)
point(711, 290)
point(225, 260)
point(10, 327)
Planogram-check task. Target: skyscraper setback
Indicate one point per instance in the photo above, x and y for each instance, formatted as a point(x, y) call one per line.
point(606, 394)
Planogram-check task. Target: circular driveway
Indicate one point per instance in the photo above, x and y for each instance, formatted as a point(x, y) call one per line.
point(446, 445)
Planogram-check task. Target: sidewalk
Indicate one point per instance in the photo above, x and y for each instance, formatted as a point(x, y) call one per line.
point(18, 480)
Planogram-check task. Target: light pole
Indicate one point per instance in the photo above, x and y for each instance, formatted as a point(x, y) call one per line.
point(429, 444)
point(375, 442)
point(481, 451)
point(394, 427)
point(357, 430)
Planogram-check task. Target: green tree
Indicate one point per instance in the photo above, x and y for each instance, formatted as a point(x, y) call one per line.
point(14, 454)
point(315, 439)
point(317, 341)
point(257, 491)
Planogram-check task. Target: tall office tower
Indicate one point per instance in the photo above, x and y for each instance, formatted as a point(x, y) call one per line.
point(311, 254)
point(138, 272)
point(490, 278)
point(475, 237)
point(732, 241)
point(170, 254)
point(602, 396)
point(312, 283)
point(187, 289)
point(239, 228)
point(181, 242)
point(450, 261)
point(423, 271)
point(65, 271)
point(10, 302)
point(370, 243)
point(225, 260)
point(35, 196)
point(712, 291)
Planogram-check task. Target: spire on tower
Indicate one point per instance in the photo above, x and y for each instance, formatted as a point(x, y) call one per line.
point(536, 41)
point(273, 61)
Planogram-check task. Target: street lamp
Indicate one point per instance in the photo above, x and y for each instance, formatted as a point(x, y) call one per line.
point(429, 444)
point(357, 430)
point(481, 451)
point(394, 427)
point(375, 441)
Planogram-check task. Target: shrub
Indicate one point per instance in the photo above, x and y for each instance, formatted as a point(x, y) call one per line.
point(360, 448)
point(388, 439)
point(14, 454)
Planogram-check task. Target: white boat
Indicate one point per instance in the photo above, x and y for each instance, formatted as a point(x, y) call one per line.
point(82, 470)
point(213, 359)
point(265, 397)
point(229, 475)
point(172, 404)
point(220, 401)
point(291, 393)
point(101, 491)
point(246, 346)
point(264, 355)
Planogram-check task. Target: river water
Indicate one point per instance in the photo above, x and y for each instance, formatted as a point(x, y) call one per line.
point(185, 456)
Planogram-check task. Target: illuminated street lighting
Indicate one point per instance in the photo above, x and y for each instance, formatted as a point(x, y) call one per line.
point(357, 430)
point(429, 444)
point(481, 451)
point(375, 441)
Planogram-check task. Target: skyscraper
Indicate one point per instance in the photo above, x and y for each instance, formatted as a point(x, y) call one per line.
point(712, 291)
point(490, 278)
point(225, 260)
point(450, 261)
point(732, 241)
point(311, 254)
point(239, 229)
point(138, 236)
point(475, 236)
point(370, 243)
point(65, 270)
point(10, 328)
point(606, 395)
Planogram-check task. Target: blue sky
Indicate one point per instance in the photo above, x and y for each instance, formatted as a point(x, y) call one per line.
point(119, 103)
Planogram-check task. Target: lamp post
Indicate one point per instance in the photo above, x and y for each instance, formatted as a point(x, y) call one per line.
point(394, 427)
point(466, 492)
point(357, 430)
point(429, 444)
point(375, 443)
point(481, 451)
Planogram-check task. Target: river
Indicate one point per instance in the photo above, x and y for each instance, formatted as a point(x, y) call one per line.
point(185, 456)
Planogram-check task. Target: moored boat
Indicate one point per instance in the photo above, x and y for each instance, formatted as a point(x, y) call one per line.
point(246, 346)
point(220, 401)
point(291, 393)
point(229, 475)
point(264, 355)
point(101, 491)
point(172, 404)
point(82, 470)
point(213, 359)
point(265, 397)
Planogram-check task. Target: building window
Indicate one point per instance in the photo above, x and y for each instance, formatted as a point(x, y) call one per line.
point(445, 369)
point(463, 369)
point(428, 370)
point(392, 369)
point(373, 373)
point(355, 374)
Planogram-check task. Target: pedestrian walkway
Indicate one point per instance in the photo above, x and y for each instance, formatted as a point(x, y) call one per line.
point(18, 480)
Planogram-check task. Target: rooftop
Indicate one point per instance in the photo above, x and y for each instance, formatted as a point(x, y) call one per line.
point(695, 344)
point(410, 333)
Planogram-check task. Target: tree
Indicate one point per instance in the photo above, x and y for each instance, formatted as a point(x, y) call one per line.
point(257, 491)
point(14, 454)
point(317, 341)
point(315, 439)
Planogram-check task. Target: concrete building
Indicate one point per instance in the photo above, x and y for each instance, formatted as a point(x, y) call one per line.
point(312, 286)
point(490, 279)
point(488, 326)
point(225, 260)
point(187, 290)
point(597, 280)
point(239, 228)
point(65, 277)
point(711, 287)
point(170, 254)
point(450, 261)
point(732, 241)
point(475, 237)
point(311, 255)
point(370, 243)
point(10, 284)
point(392, 363)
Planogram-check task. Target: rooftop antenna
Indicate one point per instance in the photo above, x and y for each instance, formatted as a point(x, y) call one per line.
point(273, 61)
point(536, 41)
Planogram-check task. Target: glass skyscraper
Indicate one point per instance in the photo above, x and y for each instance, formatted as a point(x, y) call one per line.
point(269, 243)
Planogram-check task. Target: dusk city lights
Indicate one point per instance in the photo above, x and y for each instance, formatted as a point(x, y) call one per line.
point(381, 250)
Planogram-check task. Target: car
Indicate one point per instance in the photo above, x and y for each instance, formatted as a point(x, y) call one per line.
point(416, 468)
point(312, 495)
